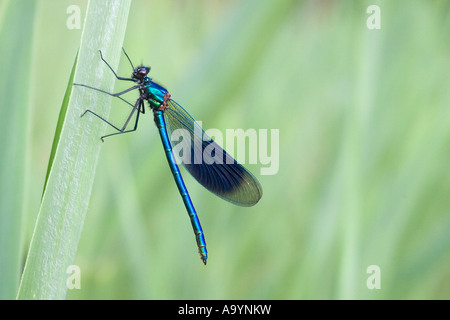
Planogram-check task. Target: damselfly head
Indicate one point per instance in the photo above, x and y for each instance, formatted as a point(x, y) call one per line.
point(140, 72)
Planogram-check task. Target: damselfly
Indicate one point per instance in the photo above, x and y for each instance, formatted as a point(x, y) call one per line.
point(204, 159)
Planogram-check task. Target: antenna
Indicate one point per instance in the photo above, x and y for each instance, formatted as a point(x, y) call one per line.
point(128, 57)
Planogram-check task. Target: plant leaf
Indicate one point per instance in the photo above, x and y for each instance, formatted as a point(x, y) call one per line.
point(62, 116)
point(69, 184)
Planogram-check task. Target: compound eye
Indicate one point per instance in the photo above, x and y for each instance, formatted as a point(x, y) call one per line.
point(144, 70)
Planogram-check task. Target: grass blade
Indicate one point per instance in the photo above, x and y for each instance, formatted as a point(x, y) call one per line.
point(15, 63)
point(66, 196)
point(62, 116)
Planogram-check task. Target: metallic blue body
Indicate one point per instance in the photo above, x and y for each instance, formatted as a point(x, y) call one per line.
point(228, 179)
point(161, 125)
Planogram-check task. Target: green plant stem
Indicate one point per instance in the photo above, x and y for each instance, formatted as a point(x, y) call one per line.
point(66, 196)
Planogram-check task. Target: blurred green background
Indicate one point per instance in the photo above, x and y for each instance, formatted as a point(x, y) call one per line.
point(364, 147)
